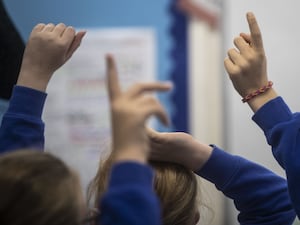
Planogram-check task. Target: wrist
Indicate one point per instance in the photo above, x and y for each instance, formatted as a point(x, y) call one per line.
point(256, 103)
point(130, 154)
point(34, 80)
point(201, 154)
point(257, 92)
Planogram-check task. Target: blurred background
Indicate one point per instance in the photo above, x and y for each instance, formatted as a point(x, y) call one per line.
point(184, 41)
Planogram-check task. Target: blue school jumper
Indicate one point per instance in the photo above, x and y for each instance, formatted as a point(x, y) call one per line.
point(282, 130)
point(260, 196)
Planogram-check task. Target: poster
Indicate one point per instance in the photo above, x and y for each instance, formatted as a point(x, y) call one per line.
point(77, 111)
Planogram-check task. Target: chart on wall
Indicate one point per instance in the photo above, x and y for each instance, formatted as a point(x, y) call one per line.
point(77, 110)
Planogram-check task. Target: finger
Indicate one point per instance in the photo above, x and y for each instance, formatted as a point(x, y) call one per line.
point(230, 67)
point(113, 85)
point(246, 37)
point(68, 35)
point(235, 56)
point(153, 107)
point(59, 29)
point(151, 133)
point(39, 27)
point(159, 143)
point(162, 116)
point(76, 43)
point(156, 137)
point(256, 39)
point(49, 27)
point(141, 88)
point(241, 45)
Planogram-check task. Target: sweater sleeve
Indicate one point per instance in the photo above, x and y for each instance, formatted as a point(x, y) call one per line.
point(260, 196)
point(130, 198)
point(282, 130)
point(22, 126)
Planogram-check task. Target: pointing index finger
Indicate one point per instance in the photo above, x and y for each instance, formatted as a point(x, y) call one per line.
point(112, 77)
point(255, 31)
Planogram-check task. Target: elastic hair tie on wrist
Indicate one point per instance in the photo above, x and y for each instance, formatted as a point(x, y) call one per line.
point(261, 90)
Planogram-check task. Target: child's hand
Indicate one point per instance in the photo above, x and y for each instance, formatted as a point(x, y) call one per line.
point(178, 147)
point(129, 112)
point(47, 49)
point(246, 65)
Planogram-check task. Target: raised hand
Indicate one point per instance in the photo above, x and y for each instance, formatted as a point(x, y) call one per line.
point(246, 65)
point(48, 48)
point(129, 113)
point(178, 147)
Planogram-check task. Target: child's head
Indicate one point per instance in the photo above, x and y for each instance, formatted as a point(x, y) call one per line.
point(175, 185)
point(177, 189)
point(38, 188)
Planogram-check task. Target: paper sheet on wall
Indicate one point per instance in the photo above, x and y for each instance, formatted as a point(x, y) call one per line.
point(76, 111)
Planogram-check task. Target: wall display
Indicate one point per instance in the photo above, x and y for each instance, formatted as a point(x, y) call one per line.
point(77, 111)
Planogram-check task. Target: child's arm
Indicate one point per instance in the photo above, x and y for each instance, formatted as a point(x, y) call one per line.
point(130, 198)
point(282, 130)
point(248, 71)
point(48, 48)
point(260, 195)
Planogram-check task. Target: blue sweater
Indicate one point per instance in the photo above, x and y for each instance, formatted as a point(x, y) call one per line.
point(282, 130)
point(260, 195)
point(22, 125)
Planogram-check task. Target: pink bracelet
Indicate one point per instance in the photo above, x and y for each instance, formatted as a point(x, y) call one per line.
point(257, 92)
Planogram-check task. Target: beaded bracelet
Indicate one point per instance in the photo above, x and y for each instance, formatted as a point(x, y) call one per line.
point(257, 92)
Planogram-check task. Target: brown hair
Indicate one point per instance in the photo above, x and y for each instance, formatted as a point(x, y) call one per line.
point(175, 185)
point(37, 188)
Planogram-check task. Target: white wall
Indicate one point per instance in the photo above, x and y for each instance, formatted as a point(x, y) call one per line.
point(279, 23)
point(205, 105)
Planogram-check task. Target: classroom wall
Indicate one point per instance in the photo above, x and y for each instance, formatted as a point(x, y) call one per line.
point(205, 92)
point(279, 23)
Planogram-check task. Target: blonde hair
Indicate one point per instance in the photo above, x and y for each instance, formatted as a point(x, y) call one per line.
point(175, 185)
point(37, 188)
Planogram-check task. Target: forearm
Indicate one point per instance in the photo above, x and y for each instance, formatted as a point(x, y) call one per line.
point(34, 79)
point(280, 127)
point(22, 126)
point(282, 130)
point(259, 195)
